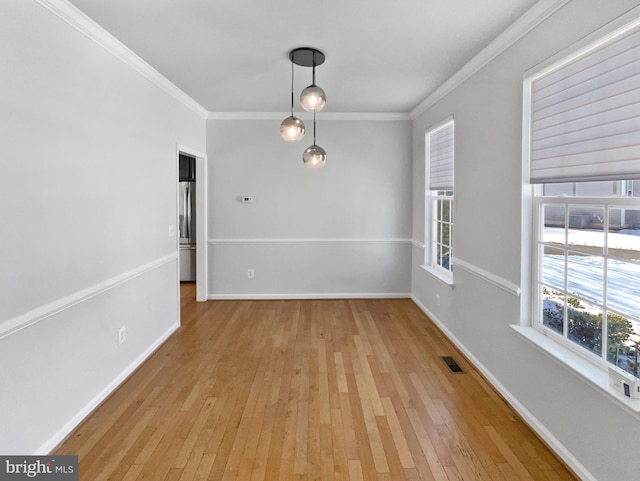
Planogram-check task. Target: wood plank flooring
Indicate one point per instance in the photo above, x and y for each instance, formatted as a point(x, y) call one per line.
point(351, 390)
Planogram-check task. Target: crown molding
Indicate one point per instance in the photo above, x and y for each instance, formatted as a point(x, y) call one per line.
point(85, 25)
point(523, 25)
point(81, 22)
point(308, 116)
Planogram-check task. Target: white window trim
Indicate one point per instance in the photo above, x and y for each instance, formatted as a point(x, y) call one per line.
point(440, 274)
point(435, 243)
point(590, 369)
point(429, 265)
point(537, 265)
point(594, 374)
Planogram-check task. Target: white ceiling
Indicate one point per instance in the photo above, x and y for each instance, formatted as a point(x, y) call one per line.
point(232, 55)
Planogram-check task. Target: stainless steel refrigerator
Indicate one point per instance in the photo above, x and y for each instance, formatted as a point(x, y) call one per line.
point(187, 219)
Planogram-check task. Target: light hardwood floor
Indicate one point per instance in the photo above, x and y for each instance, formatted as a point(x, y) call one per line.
point(307, 390)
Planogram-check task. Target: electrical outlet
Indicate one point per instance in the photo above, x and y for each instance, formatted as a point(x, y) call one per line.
point(624, 383)
point(122, 334)
point(251, 273)
point(437, 299)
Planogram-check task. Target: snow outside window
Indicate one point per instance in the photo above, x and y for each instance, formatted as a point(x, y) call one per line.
point(588, 269)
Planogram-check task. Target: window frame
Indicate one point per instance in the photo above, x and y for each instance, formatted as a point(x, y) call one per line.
point(569, 202)
point(596, 373)
point(437, 242)
point(433, 218)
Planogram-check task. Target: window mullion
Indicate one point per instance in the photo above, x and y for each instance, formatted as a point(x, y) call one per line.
point(450, 246)
point(565, 287)
point(439, 232)
point(605, 267)
point(433, 238)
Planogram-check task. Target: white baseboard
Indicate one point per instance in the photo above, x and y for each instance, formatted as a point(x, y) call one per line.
point(75, 421)
point(347, 295)
point(517, 406)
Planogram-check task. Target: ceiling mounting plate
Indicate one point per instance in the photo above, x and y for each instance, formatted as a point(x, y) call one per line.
point(306, 57)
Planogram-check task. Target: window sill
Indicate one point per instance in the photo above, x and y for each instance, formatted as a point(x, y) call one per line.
point(592, 374)
point(447, 279)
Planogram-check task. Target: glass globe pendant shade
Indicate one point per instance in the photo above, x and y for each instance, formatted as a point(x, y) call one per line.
point(314, 157)
point(292, 129)
point(313, 98)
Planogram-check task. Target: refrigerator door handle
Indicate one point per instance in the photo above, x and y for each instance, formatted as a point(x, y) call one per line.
point(187, 210)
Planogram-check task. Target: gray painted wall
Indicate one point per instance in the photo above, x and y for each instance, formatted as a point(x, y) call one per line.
point(75, 120)
point(342, 230)
point(88, 192)
point(597, 433)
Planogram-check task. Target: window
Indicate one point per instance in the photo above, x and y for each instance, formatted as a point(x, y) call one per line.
point(583, 151)
point(588, 268)
point(439, 148)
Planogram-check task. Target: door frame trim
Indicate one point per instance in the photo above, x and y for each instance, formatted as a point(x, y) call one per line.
point(201, 219)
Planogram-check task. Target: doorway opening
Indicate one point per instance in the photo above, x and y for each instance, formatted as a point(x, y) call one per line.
point(192, 228)
point(187, 209)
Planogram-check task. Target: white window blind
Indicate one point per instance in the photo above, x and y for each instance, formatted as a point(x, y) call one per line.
point(441, 158)
point(585, 115)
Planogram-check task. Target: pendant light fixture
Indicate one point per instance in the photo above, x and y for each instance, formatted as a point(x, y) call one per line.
point(314, 156)
point(312, 99)
point(292, 128)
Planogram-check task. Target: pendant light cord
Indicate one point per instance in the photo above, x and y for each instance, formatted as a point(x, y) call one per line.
point(313, 82)
point(313, 71)
point(292, 88)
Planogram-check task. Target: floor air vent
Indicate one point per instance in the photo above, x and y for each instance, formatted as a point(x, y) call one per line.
point(452, 364)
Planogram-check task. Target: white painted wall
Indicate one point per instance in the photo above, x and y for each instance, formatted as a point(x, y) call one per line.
point(87, 195)
point(342, 230)
point(595, 435)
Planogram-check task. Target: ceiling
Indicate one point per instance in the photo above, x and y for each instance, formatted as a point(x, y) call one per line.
point(232, 55)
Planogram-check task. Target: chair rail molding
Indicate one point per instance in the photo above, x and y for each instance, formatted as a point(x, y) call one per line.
point(309, 241)
point(497, 281)
point(34, 316)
